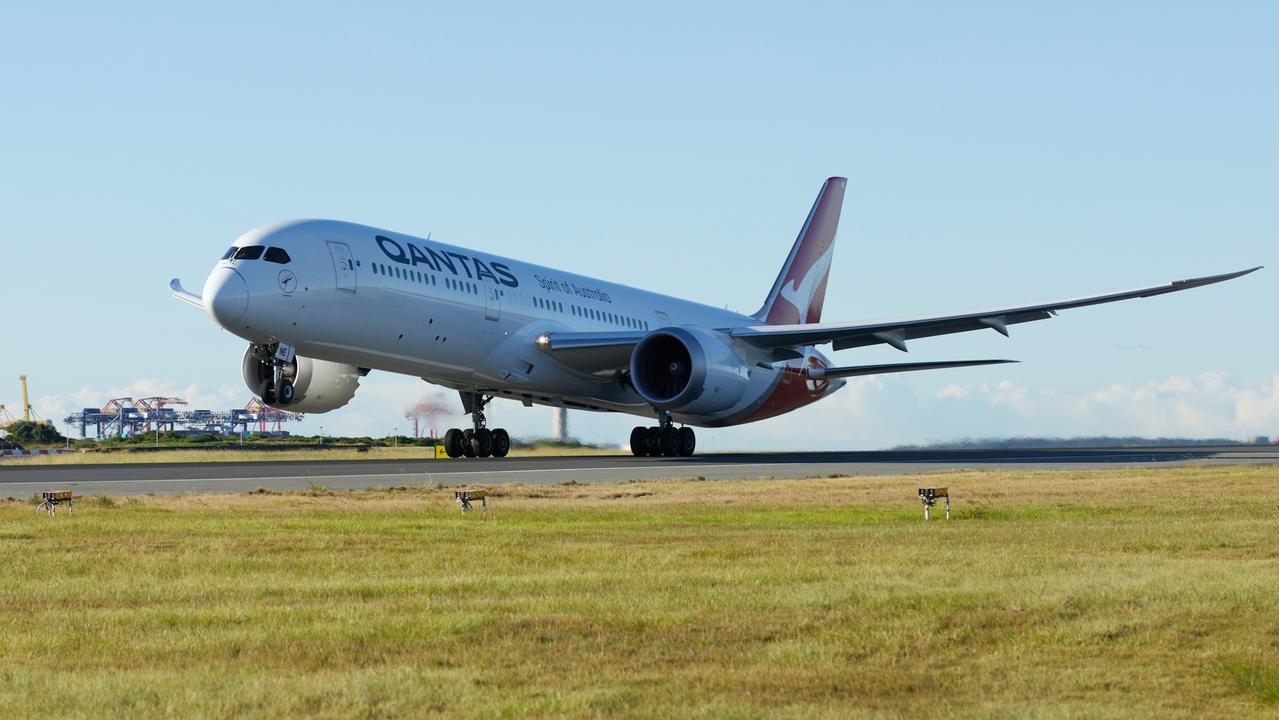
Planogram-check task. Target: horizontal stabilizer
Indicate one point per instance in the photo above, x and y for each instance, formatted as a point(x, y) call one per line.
point(838, 372)
point(185, 295)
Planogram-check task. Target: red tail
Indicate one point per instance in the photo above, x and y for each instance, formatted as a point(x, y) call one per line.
point(800, 288)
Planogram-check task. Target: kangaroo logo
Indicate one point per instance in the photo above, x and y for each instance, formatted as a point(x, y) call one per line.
point(288, 281)
point(799, 293)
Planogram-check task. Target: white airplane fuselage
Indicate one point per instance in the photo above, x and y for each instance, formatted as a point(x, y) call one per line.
point(465, 319)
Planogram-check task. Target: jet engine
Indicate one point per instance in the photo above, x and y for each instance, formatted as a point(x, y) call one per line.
point(317, 385)
point(688, 370)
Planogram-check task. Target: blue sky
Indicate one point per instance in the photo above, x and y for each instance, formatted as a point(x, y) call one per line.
point(996, 153)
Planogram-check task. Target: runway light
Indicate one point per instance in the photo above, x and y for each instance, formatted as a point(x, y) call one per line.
point(928, 496)
point(51, 500)
point(464, 498)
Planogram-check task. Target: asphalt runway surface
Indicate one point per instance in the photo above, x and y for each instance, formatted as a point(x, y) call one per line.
point(220, 477)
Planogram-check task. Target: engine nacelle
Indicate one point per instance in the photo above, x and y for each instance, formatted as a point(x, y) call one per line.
point(318, 385)
point(688, 370)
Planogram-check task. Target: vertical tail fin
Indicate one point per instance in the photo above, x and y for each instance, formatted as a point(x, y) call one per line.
point(800, 288)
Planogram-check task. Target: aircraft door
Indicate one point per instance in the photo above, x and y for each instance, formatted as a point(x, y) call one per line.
point(492, 302)
point(343, 266)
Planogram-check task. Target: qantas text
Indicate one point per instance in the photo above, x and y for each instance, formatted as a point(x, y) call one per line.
point(414, 255)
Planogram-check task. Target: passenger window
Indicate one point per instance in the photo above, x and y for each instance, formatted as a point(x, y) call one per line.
point(249, 252)
point(276, 255)
point(229, 252)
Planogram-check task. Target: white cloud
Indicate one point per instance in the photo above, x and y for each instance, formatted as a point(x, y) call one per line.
point(1208, 404)
point(1013, 395)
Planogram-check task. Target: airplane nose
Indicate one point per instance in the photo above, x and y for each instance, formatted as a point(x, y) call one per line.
point(226, 296)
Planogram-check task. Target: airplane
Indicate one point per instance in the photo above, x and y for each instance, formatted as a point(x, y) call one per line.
point(322, 303)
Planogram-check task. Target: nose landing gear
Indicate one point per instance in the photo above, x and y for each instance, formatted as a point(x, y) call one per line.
point(665, 439)
point(276, 368)
point(478, 441)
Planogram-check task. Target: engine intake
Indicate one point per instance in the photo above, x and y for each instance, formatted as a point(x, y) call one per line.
point(318, 385)
point(688, 369)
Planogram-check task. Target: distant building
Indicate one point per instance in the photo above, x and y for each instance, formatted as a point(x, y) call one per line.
point(1261, 440)
point(559, 426)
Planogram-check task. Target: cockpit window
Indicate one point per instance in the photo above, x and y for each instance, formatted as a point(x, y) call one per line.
point(276, 255)
point(229, 252)
point(249, 252)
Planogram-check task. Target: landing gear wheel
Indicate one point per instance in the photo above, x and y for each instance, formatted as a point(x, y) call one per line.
point(501, 443)
point(453, 443)
point(670, 441)
point(266, 391)
point(468, 447)
point(639, 442)
point(654, 441)
point(687, 441)
point(482, 442)
point(286, 392)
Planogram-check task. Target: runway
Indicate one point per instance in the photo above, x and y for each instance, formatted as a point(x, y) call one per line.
point(171, 478)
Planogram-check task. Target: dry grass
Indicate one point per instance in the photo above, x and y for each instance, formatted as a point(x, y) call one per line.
point(185, 455)
point(1090, 594)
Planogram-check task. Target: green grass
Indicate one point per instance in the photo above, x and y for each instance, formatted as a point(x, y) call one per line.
point(1089, 594)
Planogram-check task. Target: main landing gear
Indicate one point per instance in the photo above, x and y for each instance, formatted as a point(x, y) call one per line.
point(478, 441)
point(665, 439)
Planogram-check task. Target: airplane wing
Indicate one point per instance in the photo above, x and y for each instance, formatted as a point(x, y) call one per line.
point(610, 351)
point(185, 295)
point(897, 332)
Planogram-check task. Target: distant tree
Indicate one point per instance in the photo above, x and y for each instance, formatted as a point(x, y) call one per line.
point(34, 433)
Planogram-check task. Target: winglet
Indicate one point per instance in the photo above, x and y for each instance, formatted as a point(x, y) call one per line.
point(1189, 283)
point(185, 295)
